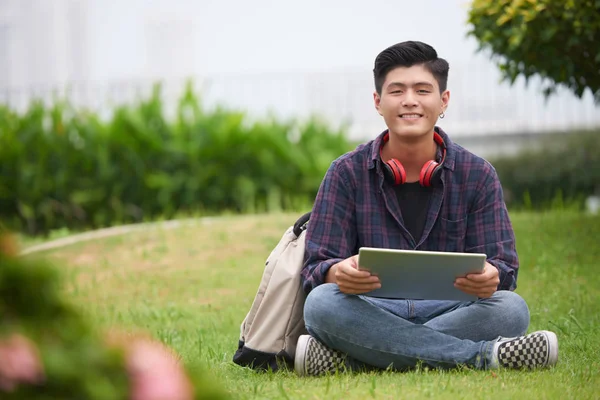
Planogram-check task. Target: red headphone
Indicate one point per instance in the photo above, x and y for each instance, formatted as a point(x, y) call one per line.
point(395, 173)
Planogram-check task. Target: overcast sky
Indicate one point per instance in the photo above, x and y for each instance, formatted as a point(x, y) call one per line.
point(259, 35)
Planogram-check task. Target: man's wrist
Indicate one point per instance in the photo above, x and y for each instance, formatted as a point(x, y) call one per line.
point(330, 276)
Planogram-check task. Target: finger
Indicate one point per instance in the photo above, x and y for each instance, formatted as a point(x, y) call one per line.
point(351, 271)
point(362, 276)
point(365, 284)
point(358, 283)
point(484, 276)
point(491, 286)
point(349, 266)
point(482, 294)
point(467, 290)
point(354, 275)
point(464, 282)
point(371, 282)
point(475, 287)
point(478, 282)
point(358, 289)
point(488, 271)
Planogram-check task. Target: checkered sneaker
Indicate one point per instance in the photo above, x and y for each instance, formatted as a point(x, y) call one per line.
point(538, 349)
point(314, 358)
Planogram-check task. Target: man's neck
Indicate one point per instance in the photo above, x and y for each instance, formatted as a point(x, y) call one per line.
point(413, 154)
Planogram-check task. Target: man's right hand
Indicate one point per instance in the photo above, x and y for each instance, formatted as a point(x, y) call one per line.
point(350, 279)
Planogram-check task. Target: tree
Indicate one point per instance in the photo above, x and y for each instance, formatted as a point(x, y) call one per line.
point(557, 40)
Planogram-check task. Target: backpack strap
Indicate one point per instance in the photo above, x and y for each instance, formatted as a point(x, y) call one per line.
point(301, 224)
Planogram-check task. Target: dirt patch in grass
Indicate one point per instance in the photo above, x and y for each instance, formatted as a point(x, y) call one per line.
point(201, 261)
point(215, 296)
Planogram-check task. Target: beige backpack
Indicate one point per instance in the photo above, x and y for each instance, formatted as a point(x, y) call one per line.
point(270, 331)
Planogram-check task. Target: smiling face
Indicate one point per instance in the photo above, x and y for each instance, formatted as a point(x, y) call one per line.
point(410, 101)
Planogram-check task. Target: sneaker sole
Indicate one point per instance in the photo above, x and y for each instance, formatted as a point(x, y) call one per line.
point(299, 359)
point(552, 347)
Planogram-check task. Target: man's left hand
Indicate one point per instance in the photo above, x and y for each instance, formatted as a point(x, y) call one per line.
point(482, 285)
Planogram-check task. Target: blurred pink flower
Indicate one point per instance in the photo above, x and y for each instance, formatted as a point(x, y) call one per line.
point(156, 373)
point(19, 363)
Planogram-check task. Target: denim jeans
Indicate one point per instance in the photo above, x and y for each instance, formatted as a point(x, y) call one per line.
point(398, 334)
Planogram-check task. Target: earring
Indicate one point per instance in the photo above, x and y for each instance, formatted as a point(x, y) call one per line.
point(442, 115)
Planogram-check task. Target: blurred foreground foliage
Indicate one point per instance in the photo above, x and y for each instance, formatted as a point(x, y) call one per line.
point(77, 362)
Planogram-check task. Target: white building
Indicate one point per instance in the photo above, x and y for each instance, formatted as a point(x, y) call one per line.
point(290, 58)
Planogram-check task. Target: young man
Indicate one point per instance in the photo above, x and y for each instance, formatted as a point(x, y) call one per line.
point(413, 188)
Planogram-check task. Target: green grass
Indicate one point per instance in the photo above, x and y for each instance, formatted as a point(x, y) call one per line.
point(192, 286)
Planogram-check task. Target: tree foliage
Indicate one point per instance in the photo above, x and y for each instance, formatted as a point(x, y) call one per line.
point(557, 40)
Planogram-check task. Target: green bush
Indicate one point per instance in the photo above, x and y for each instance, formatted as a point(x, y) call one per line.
point(63, 167)
point(68, 168)
point(560, 174)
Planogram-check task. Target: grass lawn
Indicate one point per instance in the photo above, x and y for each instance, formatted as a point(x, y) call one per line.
point(192, 286)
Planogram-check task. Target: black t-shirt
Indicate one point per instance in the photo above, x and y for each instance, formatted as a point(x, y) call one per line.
point(413, 200)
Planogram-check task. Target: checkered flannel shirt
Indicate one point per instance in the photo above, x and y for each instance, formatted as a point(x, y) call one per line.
point(355, 208)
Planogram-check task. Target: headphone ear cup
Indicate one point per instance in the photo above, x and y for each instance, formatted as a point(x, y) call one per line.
point(387, 172)
point(435, 174)
point(394, 171)
point(427, 173)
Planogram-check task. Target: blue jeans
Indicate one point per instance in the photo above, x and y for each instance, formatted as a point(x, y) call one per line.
point(384, 333)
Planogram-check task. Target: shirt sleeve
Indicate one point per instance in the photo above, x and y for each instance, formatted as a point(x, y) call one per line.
point(331, 233)
point(490, 231)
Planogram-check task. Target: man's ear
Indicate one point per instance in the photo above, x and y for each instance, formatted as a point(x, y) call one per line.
point(377, 101)
point(445, 100)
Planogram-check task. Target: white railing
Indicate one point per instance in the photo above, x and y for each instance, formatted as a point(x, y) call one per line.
point(479, 104)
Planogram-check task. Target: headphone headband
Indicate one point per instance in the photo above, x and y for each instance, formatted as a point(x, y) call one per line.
point(395, 172)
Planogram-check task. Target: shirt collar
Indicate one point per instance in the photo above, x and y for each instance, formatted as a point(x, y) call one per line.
point(450, 149)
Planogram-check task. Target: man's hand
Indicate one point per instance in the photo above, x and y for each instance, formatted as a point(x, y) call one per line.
point(350, 279)
point(482, 285)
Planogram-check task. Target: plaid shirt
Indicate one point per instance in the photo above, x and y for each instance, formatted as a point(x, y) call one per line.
point(354, 208)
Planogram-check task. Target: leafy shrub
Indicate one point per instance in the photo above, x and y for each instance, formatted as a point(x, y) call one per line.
point(560, 174)
point(63, 167)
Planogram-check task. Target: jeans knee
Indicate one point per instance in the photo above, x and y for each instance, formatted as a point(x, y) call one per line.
point(320, 305)
point(516, 310)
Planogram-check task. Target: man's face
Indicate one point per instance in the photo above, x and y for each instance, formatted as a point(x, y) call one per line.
point(410, 101)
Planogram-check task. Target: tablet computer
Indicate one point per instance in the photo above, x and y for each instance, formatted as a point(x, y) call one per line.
point(423, 275)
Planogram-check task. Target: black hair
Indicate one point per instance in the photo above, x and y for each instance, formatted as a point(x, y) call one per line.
point(407, 54)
